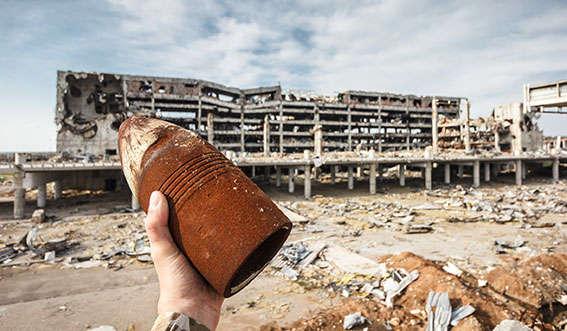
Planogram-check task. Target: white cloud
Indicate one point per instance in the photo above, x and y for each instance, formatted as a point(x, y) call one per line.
point(483, 50)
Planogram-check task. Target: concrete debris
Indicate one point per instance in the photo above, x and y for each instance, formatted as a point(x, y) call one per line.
point(502, 247)
point(38, 216)
point(397, 286)
point(87, 264)
point(453, 269)
point(511, 325)
point(438, 319)
point(50, 256)
point(353, 320)
point(295, 252)
point(460, 313)
point(103, 328)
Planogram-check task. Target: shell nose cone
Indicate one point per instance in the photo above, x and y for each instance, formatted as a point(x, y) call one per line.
point(135, 136)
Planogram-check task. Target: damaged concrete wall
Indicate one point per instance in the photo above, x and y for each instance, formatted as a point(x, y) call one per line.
point(518, 130)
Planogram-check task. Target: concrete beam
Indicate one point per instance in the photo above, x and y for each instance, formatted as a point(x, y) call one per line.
point(519, 172)
point(402, 174)
point(350, 178)
point(278, 176)
point(428, 179)
point(42, 195)
point(447, 169)
point(487, 172)
point(555, 170)
point(476, 173)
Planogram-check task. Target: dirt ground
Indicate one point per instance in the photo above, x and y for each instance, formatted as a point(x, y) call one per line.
point(404, 227)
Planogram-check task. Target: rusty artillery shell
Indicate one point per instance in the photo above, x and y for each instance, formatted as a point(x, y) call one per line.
point(225, 225)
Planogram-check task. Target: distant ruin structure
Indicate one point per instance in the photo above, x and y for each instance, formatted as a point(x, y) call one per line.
point(91, 107)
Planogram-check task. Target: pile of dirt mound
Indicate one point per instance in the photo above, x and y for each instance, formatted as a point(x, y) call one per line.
point(378, 315)
point(539, 284)
point(516, 290)
point(432, 277)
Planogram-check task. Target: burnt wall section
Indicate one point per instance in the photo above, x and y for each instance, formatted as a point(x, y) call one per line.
point(91, 107)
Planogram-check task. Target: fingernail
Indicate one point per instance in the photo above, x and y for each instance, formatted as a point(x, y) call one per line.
point(154, 200)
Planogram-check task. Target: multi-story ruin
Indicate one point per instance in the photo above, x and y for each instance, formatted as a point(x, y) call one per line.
point(91, 107)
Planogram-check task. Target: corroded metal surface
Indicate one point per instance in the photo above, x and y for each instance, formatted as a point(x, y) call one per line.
point(227, 227)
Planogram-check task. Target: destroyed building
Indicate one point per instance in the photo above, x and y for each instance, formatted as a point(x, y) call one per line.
point(91, 107)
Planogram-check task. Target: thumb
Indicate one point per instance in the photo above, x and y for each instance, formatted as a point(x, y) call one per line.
point(161, 242)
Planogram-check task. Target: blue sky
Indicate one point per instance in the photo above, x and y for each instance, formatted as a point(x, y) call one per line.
point(483, 50)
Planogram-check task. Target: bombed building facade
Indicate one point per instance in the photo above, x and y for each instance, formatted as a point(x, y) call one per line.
point(91, 107)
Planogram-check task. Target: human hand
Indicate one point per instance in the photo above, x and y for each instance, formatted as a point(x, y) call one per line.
point(181, 288)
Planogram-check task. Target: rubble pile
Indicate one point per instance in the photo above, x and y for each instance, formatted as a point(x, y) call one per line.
point(523, 204)
point(435, 298)
point(114, 241)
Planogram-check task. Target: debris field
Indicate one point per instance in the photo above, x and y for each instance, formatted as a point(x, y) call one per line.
point(458, 258)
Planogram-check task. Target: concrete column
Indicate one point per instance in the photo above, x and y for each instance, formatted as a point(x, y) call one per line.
point(253, 172)
point(524, 170)
point(58, 190)
point(518, 172)
point(380, 172)
point(210, 128)
point(359, 172)
point(291, 187)
point(447, 168)
point(41, 195)
point(555, 170)
point(428, 181)
point(495, 170)
point(460, 171)
point(402, 174)
point(372, 174)
point(135, 205)
point(476, 173)
point(467, 127)
point(267, 175)
point(318, 140)
point(307, 176)
point(434, 129)
point(19, 191)
point(350, 178)
point(266, 135)
point(278, 176)
point(333, 174)
point(487, 172)
point(496, 140)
